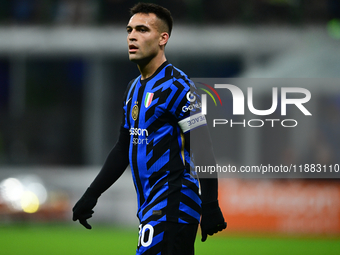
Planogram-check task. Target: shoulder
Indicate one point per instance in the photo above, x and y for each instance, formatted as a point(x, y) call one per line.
point(128, 90)
point(180, 79)
point(133, 81)
point(130, 85)
point(177, 73)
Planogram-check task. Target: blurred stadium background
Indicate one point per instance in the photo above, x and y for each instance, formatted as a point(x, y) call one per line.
point(63, 71)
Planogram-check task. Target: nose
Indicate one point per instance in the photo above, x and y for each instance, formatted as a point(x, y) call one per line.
point(131, 35)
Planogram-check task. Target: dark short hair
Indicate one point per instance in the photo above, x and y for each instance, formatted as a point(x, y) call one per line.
point(160, 12)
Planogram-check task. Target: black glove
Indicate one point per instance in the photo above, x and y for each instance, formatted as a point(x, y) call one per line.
point(83, 208)
point(212, 219)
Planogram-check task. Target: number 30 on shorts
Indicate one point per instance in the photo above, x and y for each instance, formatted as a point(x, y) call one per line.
point(145, 239)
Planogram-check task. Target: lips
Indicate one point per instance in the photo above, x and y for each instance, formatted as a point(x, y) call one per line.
point(133, 48)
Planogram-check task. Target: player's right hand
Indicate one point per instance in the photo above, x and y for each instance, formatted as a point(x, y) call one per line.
point(82, 210)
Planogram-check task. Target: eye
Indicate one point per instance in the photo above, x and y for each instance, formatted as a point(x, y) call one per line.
point(128, 30)
point(142, 30)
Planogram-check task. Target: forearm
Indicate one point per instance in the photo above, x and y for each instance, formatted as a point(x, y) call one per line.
point(115, 164)
point(201, 147)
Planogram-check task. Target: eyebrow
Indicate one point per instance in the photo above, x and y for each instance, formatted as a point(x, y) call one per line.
point(138, 26)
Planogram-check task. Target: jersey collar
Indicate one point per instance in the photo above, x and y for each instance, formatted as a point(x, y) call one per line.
point(154, 74)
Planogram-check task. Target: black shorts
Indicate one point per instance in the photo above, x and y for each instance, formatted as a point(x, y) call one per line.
point(166, 238)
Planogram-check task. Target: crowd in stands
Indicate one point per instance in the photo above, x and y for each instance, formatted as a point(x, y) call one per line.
point(109, 12)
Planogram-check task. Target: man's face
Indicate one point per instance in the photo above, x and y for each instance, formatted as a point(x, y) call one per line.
point(143, 37)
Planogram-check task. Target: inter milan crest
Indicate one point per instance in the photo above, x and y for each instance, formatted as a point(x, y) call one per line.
point(134, 112)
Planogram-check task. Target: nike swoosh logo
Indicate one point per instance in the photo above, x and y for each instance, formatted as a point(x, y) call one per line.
point(128, 101)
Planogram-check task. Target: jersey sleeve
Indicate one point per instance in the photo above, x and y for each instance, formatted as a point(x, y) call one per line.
point(117, 160)
point(187, 105)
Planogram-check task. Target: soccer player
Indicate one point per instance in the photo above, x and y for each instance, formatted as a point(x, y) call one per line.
point(155, 140)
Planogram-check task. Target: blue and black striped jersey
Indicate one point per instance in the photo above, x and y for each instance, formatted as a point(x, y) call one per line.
point(156, 113)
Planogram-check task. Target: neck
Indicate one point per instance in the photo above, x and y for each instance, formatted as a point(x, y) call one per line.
point(151, 66)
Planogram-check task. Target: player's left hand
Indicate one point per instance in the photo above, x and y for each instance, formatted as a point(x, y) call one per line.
point(212, 220)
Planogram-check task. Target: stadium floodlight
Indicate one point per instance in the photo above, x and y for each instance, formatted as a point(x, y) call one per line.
point(24, 193)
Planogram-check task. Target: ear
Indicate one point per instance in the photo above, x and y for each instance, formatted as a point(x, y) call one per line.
point(163, 39)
